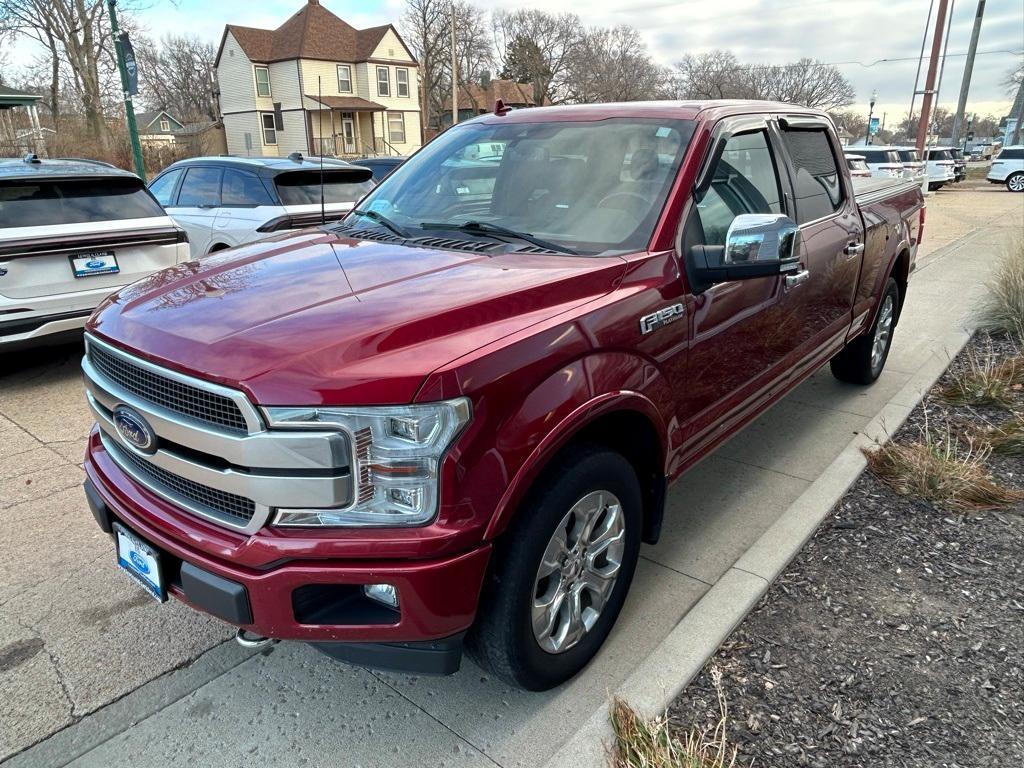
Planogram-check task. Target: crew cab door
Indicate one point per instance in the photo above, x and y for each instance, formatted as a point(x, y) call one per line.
point(830, 245)
point(742, 331)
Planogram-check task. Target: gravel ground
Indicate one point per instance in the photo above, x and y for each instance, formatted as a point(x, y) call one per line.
point(896, 637)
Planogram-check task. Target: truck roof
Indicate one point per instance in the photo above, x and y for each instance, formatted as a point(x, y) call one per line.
point(687, 110)
point(32, 167)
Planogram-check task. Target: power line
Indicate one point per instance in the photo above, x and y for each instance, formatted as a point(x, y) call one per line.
point(867, 65)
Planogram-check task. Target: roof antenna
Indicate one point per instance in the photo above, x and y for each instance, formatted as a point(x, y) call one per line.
point(320, 120)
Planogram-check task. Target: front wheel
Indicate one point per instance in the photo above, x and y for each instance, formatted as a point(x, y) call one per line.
point(1016, 182)
point(862, 360)
point(561, 571)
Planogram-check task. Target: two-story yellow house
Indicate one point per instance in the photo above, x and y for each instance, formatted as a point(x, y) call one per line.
point(318, 85)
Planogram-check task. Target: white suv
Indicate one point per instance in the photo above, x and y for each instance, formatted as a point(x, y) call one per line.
point(71, 233)
point(1008, 168)
point(941, 168)
point(884, 162)
point(226, 201)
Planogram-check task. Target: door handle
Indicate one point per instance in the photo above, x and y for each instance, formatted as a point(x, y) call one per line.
point(797, 277)
point(854, 249)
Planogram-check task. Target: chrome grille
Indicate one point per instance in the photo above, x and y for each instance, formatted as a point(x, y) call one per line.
point(207, 407)
point(221, 502)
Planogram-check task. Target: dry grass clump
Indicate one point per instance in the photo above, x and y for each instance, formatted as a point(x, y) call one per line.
point(643, 743)
point(947, 471)
point(1006, 439)
point(1002, 311)
point(986, 381)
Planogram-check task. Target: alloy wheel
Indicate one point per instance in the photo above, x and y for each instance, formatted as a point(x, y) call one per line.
point(578, 571)
point(1016, 183)
point(883, 332)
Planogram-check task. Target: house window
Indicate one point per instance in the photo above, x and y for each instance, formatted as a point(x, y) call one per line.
point(396, 127)
point(263, 81)
point(269, 129)
point(165, 125)
point(402, 81)
point(344, 78)
point(383, 82)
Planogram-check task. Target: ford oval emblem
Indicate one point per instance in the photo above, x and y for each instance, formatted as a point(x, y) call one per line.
point(139, 562)
point(95, 264)
point(134, 429)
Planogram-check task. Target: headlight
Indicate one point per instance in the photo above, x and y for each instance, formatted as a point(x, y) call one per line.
point(396, 452)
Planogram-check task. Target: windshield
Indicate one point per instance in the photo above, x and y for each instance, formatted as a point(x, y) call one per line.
point(857, 164)
point(340, 186)
point(32, 203)
point(593, 187)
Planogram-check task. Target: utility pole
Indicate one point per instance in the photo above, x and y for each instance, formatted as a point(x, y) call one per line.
point(917, 77)
point(965, 84)
point(133, 129)
point(929, 83)
point(455, 74)
point(1017, 111)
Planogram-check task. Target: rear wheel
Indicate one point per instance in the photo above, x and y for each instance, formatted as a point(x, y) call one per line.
point(561, 572)
point(1016, 182)
point(862, 360)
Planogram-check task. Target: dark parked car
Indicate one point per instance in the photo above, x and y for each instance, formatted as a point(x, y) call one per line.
point(381, 166)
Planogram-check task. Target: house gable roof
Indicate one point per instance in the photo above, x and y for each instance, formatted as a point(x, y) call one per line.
point(483, 97)
point(147, 120)
point(313, 32)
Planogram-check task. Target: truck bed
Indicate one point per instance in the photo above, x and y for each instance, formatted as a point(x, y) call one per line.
point(874, 189)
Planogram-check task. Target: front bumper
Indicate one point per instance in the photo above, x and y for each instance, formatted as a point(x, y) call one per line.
point(300, 596)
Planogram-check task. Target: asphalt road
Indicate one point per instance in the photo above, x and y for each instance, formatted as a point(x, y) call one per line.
point(98, 673)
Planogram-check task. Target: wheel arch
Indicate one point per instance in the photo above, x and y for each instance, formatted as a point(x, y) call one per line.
point(625, 421)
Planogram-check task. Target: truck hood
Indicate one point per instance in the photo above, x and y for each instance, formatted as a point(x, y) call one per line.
point(313, 318)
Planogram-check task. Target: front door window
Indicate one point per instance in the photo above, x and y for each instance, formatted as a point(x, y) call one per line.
point(348, 133)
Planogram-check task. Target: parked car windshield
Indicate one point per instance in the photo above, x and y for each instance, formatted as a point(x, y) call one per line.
point(34, 203)
point(856, 164)
point(341, 185)
point(595, 187)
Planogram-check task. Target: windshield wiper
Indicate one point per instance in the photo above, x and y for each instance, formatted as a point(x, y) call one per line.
point(383, 221)
point(486, 228)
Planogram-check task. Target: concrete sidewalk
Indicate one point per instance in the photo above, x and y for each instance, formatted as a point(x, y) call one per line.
point(292, 706)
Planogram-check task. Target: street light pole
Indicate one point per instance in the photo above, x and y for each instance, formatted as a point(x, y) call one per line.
point(129, 109)
point(871, 113)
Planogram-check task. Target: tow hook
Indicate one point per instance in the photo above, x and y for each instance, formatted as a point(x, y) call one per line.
point(248, 640)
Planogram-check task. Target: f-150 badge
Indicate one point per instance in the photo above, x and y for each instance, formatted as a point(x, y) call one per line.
point(661, 318)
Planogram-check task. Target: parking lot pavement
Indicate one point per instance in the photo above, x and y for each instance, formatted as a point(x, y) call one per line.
point(75, 635)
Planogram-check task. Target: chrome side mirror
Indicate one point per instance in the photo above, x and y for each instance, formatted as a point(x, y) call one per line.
point(760, 237)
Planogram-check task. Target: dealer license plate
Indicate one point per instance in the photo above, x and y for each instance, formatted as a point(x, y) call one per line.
point(140, 561)
point(94, 263)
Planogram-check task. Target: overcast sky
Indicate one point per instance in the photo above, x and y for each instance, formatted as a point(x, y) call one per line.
point(774, 31)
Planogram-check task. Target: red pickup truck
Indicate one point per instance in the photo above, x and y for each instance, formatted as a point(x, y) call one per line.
point(450, 419)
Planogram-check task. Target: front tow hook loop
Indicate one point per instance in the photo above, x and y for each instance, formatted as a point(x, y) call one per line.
point(248, 640)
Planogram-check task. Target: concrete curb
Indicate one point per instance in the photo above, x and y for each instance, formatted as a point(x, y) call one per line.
point(682, 655)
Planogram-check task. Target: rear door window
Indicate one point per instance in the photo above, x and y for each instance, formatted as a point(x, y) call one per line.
point(33, 203)
point(817, 184)
point(201, 188)
point(1011, 154)
point(340, 186)
point(243, 189)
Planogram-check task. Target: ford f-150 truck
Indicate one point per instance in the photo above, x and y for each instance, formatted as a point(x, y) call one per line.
point(450, 419)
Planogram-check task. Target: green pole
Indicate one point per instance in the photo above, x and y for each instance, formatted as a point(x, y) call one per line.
point(129, 109)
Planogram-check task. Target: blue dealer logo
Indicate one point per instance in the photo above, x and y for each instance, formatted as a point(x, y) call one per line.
point(139, 562)
point(134, 430)
point(95, 264)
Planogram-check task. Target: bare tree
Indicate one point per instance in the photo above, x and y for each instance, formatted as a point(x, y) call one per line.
point(423, 25)
point(177, 75)
point(535, 47)
point(719, 75)
point(612, 64)
point(76, 35)
point(427, 25)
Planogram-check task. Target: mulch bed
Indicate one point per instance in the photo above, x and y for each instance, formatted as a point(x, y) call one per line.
point(895, 638)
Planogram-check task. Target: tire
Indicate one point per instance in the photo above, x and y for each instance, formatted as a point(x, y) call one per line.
point(503, 640)
point(1015, 182)
point(857, 362)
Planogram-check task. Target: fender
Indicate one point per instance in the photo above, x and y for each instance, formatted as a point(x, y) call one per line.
point(560, 434)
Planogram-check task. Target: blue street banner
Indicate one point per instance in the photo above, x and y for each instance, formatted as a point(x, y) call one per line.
point(130, 64)
point(873, 128)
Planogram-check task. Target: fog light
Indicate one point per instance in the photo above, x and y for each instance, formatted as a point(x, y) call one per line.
point(385, 594)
